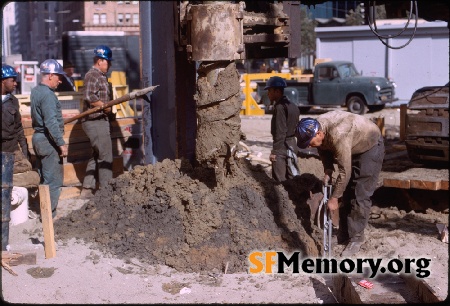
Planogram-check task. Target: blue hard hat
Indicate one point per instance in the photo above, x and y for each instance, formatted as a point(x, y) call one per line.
point(104, 52)
point(306, 129)
point(8, 72)
point(51, 66)
point(275, 81)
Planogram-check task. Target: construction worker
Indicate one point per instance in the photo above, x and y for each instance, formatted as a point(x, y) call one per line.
point(284, 120)
point(48, 124)
point(68, 84)
point(97, 91)
point(355, 143)
point(13, 137)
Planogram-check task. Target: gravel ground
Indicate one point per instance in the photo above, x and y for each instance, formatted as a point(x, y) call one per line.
point(90, 268)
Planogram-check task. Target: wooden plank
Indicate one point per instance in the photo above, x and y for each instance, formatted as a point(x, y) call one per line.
point(344, 291)
point(74, 172)
point(118, 122)
point(425, 293)
point(81, 136)
point(397, 183)
point(16, 258)
point(70, 192)
point(419, 178)
point(403, 110)
point(123, 125)
point(387, 289)
point(47, 221)
point(427, 185)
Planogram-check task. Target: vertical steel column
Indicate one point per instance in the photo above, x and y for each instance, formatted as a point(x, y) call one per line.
point(170, 118)
point(146, 76)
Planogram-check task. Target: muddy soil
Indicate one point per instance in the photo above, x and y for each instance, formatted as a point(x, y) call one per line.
point(174, 214)
point(211, 215)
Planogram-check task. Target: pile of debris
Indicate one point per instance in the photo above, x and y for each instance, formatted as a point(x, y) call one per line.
point(174, 214)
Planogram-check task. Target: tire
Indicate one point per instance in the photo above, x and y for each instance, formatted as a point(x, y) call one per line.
point(304, 110)
point(356, 105)
point(376, 108)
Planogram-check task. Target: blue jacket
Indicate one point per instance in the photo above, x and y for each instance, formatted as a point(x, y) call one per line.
point(46, 114)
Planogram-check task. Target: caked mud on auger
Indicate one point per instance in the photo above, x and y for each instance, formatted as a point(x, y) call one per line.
point(218, 122)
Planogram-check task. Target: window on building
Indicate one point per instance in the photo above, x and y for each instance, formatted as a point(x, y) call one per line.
point(103, 18)
point(96, 19)
point(127, 17)
point(120, 18)
point(135, 18)
point(127, 2)
point(119, 2)
point(134, 2)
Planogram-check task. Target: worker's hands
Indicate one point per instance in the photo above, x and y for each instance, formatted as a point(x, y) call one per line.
point(332, 203)
point(107, 110)
point(272, 157)
point(327, 177)
point(63, 150)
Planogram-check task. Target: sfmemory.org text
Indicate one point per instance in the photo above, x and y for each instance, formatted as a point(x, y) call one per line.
point(276, 262)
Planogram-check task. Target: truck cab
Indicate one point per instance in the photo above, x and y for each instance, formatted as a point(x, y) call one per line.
point(336, 84)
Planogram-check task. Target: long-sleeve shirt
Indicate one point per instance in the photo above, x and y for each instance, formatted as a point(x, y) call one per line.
point(346, 134)
point(96, 88)
point(46, 113)
point(283, 124)
point(12, 129)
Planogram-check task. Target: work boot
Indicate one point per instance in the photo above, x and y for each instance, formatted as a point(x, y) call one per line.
point(339, 237)
point(86, 193)
point(351, 249)
point(353, 245)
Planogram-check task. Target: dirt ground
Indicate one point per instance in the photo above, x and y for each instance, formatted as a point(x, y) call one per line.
point(171, 233)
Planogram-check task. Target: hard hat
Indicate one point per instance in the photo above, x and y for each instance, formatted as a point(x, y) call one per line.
point(275, 81)
point(8, 72)
point(305, 131)
point(103, 52)
point(51, 66)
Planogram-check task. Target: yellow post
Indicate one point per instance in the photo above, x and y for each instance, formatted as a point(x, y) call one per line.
point(250, 106)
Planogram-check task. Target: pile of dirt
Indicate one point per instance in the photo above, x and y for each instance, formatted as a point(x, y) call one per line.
point(174, 214)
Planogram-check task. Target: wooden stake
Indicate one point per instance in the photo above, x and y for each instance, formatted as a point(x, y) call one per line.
point(8, 268)
point(14, 259)
point(403, 111)
point(47, 221)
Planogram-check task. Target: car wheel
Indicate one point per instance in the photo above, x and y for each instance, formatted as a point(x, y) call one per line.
point(356, 105)
point(304, 110)
point(376, 108)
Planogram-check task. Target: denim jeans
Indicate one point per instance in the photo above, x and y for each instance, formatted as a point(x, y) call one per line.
point(355, 212)
point(49, 165)
point(100, 164)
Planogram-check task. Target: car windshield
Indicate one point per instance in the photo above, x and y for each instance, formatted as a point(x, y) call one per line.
point(347, 70)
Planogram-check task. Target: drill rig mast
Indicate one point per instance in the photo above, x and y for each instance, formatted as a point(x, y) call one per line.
point(209, 36)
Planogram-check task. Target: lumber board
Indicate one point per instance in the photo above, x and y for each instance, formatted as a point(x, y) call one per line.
point(74, 172)
point(47, 221)
point(70, 192)
point(387, 289)
point(424, 291)
point(419, 178)
point(17, 258)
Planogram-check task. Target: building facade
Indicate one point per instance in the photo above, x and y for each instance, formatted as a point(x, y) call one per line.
point(111, 16)
point(35, 32)
point(422, 62)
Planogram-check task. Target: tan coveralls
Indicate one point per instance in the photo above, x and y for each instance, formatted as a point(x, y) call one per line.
point(355, 143)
